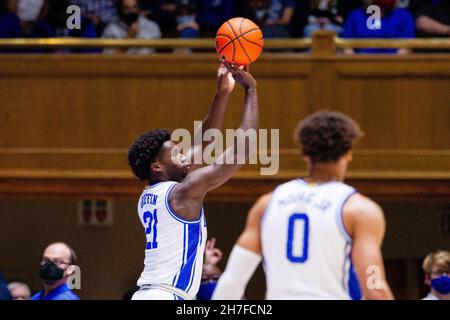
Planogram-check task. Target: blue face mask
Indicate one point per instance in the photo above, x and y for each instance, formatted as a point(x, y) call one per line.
point(441, 284)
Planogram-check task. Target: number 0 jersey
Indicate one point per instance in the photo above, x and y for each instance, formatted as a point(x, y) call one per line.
point(306, 249)
point(175, 246)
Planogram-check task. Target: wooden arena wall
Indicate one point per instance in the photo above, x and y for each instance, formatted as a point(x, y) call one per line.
point(67, 120)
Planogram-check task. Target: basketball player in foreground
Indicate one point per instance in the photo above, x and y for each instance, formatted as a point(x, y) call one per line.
point(313, 233)
point(170, 207)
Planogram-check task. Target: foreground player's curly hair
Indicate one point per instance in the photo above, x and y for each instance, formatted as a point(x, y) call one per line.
point(325, 136)
point(143, 151)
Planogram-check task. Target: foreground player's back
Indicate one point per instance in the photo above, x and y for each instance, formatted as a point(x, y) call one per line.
point(305, 247)
point(174, 249)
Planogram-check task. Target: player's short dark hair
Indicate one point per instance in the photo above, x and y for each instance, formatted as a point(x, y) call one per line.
point(143, 151)
point(326, 136)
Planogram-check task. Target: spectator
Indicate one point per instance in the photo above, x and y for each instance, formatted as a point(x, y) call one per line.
point(9, 21)
point(324, 16)
point(53, 22)
point(279, 19)
point(4, 292)
point(186, 21)
point(258, 11)
point(19, 291)
point(131, 25)
point(395, 23)
point(211, 272)
point(99, 12)
point(57, 266)
point(436, 267)
point(433, 20)
point(164, 13)
point(212, 14)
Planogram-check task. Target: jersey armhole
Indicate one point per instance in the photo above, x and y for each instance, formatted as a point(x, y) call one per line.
point(176, 216)
point(340, 217)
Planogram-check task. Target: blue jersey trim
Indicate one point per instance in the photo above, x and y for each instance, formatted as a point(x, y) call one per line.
point(354, 288)
point(192, 244)
point(173, 214)
point(183, 257)
point(340, 220)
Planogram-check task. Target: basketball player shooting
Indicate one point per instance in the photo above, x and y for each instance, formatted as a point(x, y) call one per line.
point(171, 206)
point(313, 233)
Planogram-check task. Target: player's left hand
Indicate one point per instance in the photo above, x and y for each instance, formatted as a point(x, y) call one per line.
point(226, 81)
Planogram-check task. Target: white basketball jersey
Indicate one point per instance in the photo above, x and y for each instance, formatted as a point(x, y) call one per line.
point(175, 246)
point(306, 249)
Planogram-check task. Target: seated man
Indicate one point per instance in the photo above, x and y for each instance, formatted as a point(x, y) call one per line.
point(324, 15)
point(436, 267)
point(394, 23)
point(131, 24)
point(55, 270)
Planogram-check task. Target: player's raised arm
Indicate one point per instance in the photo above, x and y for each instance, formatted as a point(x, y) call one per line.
point(245, 256)
point(368, 228)
point(214, 117)
point(187, 197)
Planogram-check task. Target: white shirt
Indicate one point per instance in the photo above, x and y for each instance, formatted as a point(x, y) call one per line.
point(119, 30)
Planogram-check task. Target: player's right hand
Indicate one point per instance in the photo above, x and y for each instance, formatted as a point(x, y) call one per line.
point(242, 76)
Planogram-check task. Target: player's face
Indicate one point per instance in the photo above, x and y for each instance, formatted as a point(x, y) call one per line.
point(176, 167)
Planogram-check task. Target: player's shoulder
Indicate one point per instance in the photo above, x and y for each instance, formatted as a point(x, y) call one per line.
point(257, 211)
point(362, 207)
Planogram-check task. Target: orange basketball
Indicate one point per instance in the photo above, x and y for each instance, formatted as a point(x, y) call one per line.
point(240, 41)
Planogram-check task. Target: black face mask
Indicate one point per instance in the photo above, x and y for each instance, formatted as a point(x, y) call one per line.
point(50, 272)
point(130, 18)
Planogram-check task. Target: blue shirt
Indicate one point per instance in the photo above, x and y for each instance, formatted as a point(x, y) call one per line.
point(59, 293)
point(10, 26)
point(212, 13)
point(397, 24)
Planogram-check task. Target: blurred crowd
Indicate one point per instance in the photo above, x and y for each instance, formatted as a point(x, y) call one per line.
point(58, 267)
point(150, 19)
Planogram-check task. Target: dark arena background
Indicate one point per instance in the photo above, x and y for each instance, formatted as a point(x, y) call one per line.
point(73, 101)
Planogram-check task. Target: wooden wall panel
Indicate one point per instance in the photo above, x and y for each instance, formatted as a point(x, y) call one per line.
point(72, 117)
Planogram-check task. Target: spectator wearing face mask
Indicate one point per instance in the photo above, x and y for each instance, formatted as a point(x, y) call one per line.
point(324, 16)
point(19, 291)
point(436, 267)
point(187, 25)
point(131, 25)
point(57, 266)
point(395, 23)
